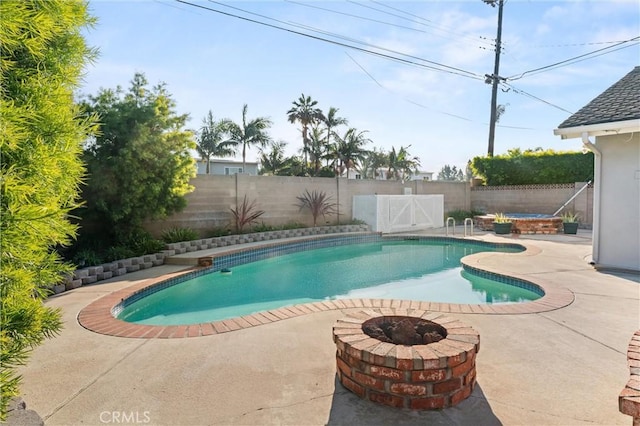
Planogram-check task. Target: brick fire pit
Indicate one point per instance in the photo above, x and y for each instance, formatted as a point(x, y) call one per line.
point(418, 376)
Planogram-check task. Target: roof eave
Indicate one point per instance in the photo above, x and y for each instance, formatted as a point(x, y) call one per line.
point(613, 128)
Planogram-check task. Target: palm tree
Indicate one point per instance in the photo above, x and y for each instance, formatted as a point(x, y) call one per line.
point(402, 164)
point(350, 149)
point(316, 149)
point(274, 163)
point(250, 133)
point(304, 110)
point(370, 166)
point(209, 140)
point(331, 120)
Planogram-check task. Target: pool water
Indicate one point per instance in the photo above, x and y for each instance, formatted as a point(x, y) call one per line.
point(409, 270)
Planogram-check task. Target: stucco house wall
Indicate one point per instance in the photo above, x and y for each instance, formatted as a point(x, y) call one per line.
point(620, 201)
point(609, 126)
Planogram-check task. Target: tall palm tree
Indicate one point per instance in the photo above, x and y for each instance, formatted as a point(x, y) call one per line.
point(304, 111)
point(402, 164)
point(209, 140)
point(331, 120)
point(252, 132)
point(350, 149)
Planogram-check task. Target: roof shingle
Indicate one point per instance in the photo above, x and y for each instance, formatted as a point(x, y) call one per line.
point(619, 102)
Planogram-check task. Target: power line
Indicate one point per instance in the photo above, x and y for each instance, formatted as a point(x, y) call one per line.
point(467, 75)
point(461, 73)
point(576, 58)
point(355, 16)
point(447, 69)
point(522, 92)
point(594, 43)
point(406, 99)
point(429, 108)
point(435, 27)
point(382, 55)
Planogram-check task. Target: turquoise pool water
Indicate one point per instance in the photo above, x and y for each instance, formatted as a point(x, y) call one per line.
point(410, 270)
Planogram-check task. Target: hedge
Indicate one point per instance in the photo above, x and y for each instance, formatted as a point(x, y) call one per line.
point(534, 167)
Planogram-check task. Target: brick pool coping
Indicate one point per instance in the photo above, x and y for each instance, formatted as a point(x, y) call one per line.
point(629, 398)
point(97, 316)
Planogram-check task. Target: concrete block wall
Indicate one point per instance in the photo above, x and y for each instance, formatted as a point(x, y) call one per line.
point(542, 199)
point(208, 206)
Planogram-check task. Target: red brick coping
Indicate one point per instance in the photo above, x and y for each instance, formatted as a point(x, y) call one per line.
point(420, 377)
point(97, 316)
point(629, 399)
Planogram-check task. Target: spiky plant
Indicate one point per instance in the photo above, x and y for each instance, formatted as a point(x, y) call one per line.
point(318, 203)
point(245, 214)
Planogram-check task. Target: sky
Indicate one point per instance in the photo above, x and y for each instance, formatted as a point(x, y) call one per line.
point(428, 93)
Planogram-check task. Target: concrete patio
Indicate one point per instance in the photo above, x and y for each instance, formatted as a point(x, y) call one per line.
point(563, 367)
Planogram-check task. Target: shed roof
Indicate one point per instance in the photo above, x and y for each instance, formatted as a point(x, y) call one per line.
point(619, 102)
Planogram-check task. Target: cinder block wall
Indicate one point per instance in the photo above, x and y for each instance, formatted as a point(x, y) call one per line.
point(208, 206)
point(544, 199)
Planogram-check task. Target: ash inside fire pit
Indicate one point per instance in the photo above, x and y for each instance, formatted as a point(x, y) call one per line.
point(404, 330)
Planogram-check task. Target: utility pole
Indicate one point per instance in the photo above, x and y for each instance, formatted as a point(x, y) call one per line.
point(495, 77)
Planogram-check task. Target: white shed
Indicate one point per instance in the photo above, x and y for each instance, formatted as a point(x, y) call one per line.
point(610, 127)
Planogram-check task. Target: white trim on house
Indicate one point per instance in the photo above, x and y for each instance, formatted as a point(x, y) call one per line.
point(601, 129)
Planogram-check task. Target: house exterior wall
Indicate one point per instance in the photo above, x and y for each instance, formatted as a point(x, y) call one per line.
point(619, 188)
point(217, 167)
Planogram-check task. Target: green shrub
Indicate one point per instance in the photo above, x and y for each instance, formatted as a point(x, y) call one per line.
point(292, 225)
point(118, 253)
point(262, 227)
point(148, 246)
point(176, 235)
point(460, 215)
point(220, 231)
point(140, 242)
point(86, 257)
point(42, 60)
point(534, 167)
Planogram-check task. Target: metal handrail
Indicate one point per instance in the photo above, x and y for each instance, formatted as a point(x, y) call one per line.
point(454, 226)
point(571, 199)
point(470, 222)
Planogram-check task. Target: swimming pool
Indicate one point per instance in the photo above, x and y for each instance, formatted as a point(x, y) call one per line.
point(342, 268)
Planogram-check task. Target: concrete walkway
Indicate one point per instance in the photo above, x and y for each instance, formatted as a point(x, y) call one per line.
point(562, 367)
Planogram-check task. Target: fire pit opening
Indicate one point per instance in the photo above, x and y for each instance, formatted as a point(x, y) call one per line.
point(406, 358)
point(404, 330)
